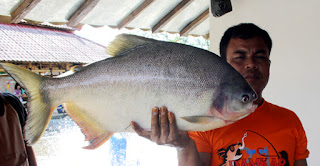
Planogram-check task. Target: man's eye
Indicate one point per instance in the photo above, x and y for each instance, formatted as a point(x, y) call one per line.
point(239, 57)
point(262, 57)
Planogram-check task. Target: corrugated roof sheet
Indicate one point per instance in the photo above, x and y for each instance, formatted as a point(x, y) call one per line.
point(34, 44)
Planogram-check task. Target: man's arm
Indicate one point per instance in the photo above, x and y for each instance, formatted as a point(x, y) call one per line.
point(190, 156)
point(302, 162)
point(31, 156)
point(164, 131)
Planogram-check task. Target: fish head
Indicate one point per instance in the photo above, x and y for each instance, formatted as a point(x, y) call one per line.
point(233, 100)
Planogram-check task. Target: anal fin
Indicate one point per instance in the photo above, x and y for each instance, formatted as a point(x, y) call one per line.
point(98, 140)
point(93, 131)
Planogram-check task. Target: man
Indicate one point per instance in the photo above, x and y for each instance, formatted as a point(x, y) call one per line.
point(14, 150)
point(272, 135)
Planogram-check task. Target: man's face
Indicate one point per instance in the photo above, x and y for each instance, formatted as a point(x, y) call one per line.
point(250, 58)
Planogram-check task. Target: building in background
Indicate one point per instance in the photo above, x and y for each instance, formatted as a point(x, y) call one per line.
point(50, 50)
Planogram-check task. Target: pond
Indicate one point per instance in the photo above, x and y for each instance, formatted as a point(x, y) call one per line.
point(62, 145)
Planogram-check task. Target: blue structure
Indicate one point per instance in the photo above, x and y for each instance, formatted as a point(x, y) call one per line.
point(118, 147)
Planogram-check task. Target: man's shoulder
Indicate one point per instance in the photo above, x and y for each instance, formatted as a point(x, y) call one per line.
point(14, 101)
point(275, 106)
point(276, 109)
point(17, 105)
point(10, 96)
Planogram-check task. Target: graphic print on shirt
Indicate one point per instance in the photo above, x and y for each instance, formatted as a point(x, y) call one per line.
point(240, 155)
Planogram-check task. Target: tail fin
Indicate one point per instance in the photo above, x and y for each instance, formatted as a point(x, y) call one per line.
point(39, 107)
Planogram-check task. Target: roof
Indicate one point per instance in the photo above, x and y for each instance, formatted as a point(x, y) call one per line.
point(24, 43)
point(187, 17)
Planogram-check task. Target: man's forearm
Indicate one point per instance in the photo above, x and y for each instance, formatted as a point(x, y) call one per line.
point(189, 156)
point(31, 156)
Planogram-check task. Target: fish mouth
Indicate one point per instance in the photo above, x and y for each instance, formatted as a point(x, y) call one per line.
point(253, 107)
point(217, 113)
point(250, 110)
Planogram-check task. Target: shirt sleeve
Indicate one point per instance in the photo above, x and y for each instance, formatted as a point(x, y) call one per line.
point(301, 142)
point(18, 106)
point(202, 142)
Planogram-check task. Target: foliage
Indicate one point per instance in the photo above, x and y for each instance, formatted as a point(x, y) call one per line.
point(199, 42)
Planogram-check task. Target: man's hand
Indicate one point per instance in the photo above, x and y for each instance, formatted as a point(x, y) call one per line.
point(164, 130)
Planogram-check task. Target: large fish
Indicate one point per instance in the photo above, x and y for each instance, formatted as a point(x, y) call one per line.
point(202, 90)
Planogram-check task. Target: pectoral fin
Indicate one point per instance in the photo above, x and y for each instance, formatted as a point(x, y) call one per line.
point(199, 119)
point(92, 130)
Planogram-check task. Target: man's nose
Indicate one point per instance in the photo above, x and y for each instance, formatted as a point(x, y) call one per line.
point(251, 64)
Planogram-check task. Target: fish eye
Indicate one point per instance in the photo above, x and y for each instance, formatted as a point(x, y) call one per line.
point(245, 98)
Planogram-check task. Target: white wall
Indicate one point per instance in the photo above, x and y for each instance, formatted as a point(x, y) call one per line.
point(295, 57)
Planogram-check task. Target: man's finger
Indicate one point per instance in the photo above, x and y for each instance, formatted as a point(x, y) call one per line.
point(164, 124)
point(155, 128)
point(140, 131)
point(172, 127)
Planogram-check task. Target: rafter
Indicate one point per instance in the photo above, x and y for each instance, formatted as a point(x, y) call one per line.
point(82, 12)
point(134, 14)
point(23, 10)
point(182, 5)
point(202, 17)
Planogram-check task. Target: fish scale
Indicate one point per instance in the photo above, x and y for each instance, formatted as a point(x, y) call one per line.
point(202, 90)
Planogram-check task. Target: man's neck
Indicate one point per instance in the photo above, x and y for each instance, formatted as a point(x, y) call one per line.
point(259, 101)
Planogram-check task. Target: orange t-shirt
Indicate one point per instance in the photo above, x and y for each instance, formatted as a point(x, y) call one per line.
point(270, 136)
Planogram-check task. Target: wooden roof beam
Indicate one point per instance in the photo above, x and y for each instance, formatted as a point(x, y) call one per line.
point(84, 10)
point(182, 5)
point(23, 10)
point(202, 17)
point(134, 14)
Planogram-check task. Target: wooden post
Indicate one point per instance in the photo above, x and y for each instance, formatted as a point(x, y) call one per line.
point(30, 66)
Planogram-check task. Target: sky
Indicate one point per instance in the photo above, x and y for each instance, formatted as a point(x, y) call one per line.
point(102, 35)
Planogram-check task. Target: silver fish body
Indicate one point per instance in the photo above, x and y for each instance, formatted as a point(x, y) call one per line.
point(203, 91)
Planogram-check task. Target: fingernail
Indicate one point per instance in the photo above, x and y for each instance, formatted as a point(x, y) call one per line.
point(132, 125)
point(155, 110)
point(163, 108)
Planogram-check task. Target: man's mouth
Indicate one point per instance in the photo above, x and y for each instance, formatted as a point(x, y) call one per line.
point(252, 77)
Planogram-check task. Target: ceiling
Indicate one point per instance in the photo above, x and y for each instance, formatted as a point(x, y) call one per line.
point(187, 17)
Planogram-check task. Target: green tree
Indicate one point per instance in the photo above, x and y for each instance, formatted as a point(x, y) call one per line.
point(199, 42)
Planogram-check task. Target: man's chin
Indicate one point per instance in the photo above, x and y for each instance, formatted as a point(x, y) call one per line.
point(252, 80)
point(255, 86)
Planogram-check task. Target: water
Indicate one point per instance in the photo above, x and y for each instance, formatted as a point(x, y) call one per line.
point(62, 145)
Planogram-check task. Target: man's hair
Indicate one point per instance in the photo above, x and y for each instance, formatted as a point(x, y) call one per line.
point(243, 31)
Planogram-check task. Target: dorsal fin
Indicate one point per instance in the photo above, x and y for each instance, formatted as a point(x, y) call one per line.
point(125, 42)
